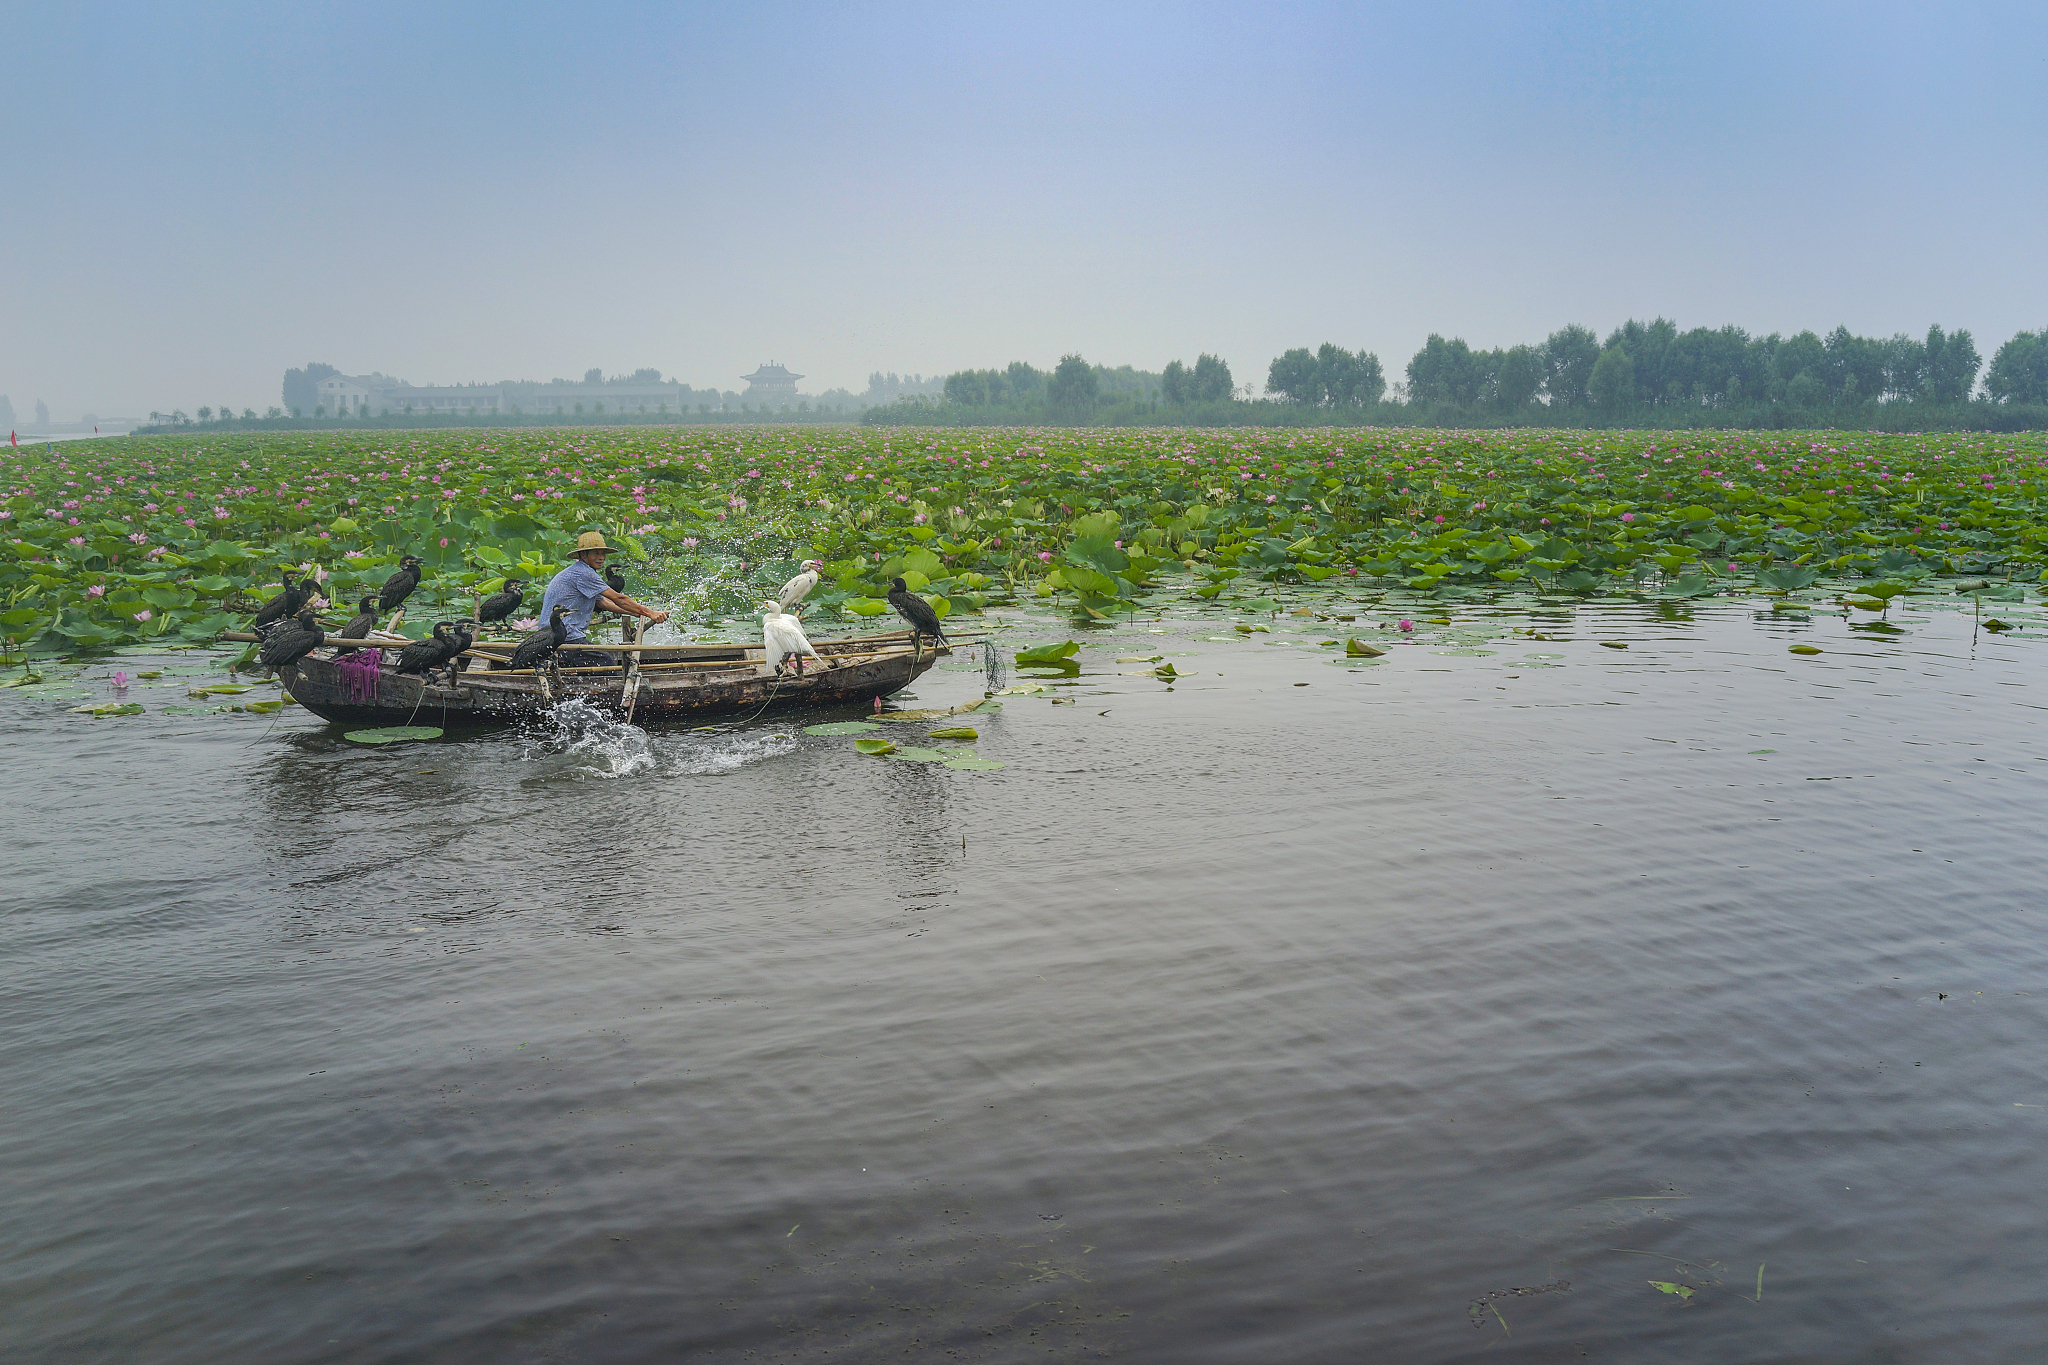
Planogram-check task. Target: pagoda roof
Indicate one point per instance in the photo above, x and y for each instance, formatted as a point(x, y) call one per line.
point(771, 371)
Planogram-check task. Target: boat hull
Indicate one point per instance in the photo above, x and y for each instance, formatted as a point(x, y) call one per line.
point(485, 697)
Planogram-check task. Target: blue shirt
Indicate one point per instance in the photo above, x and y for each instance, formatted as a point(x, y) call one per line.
point(577, 587)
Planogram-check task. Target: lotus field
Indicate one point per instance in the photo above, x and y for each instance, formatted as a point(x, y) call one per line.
point(155, 541)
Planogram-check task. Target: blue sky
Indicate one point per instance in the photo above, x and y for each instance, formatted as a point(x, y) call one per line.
point(201, 196)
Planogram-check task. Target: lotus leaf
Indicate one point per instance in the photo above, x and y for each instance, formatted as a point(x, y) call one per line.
point(972, 763)
point(1614, 644)
point(1805, 649)
point(1360, 649)
point(875, 746)
point(394, 734)
point(911, 753)
point(1049, 654)
point(956, 732)
point(842, 727)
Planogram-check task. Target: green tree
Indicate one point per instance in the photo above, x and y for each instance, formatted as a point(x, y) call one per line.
point(593, 376)
point(1073, 386)
point(2019, 372)
point(1445, 372)
point(1293, 376)
point(1519, 376)
point(1952, 365)
point(1612, 385)
point(1569, 355)
point(1211, 382)
point(1175, 383)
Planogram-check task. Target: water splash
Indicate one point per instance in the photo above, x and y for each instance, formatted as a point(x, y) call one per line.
point(607, 746)
point(722, 754)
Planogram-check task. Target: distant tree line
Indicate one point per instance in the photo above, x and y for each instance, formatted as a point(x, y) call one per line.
point(1643, 374)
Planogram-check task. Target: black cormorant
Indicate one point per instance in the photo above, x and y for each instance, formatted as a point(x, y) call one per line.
point(399, 586)
point(914, 609)
point(360, 625)
point(537, 648)
point(291, 641)
point(286, 603)
point(421, 655)
point(501, 604)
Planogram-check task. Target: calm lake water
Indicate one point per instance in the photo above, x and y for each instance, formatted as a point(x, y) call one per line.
point(1433, 1010)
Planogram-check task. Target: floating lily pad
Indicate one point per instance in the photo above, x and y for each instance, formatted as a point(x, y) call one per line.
point(1022, 690)
point(1614, 644)
point(842, 727)
point(1805, 649)
point(394, 734)
point(973, 763)
point(875, 746)
point(956, 732)
point(1049, 654)
point(912, 753)
point(1361, 650)
point(1473, 653)
point(111, 709)
point(264, 708)
point(1354, 662)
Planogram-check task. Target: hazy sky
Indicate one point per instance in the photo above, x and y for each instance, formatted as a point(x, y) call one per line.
point(201, 195)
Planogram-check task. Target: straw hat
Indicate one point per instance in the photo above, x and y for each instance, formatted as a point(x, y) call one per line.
point(588, 541)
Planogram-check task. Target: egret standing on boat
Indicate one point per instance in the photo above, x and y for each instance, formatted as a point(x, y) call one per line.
point(798, 588)
point(914, 609)
point(581, 588)
point(782, 636)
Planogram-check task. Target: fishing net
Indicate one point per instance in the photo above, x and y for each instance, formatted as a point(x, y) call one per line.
point(359, 672)
point(992, 667)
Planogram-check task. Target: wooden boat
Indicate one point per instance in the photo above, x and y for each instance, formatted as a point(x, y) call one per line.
point(656, 683)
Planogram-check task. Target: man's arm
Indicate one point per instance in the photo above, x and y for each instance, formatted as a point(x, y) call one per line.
point(626, 606)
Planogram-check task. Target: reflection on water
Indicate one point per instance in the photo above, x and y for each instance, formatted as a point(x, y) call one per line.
point(1444, 1005)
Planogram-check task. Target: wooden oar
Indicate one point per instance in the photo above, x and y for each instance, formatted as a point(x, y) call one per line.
point(632, 692)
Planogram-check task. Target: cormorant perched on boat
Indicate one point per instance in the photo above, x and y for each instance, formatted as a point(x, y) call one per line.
point(465, 634)
point(914, 609)
point(399, 586)
point(286, 603)
point(360, 625)
point(537, 648)
point(798, 588)
point(421, 655)
point(501, 604)
point(292, 640)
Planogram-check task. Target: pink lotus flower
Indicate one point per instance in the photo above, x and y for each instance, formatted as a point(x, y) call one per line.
point(689, 542)
point(1406, 624)
point(143, 615)
point(120, 680)
point(527, 623)
point(1628, 516)
point(96, 590)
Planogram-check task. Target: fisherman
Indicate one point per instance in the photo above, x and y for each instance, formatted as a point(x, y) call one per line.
point(581, 588)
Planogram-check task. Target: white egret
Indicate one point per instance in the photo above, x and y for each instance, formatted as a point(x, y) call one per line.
point(782, 636)
point(798, 588)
